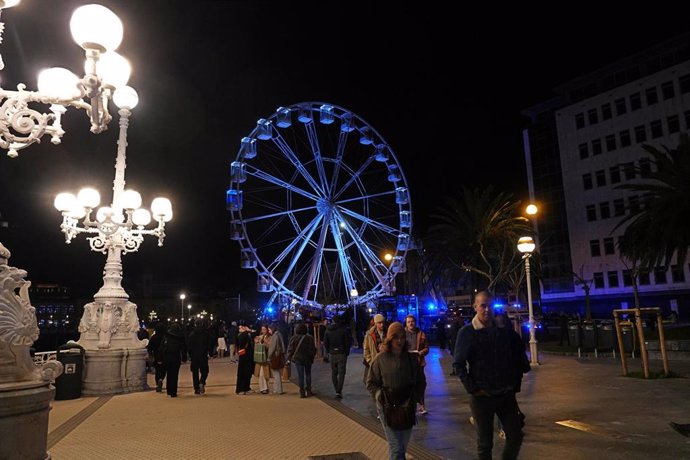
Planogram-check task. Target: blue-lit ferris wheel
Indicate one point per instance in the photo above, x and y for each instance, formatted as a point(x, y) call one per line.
point(320, 207)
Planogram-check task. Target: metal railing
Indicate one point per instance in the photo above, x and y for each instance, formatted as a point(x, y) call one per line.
point(44, 356)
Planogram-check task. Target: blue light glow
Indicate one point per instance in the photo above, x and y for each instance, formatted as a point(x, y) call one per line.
point(498, 306)
point(431, 306)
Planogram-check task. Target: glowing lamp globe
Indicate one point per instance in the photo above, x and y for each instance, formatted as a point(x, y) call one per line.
point(65, 202)
point(113, 69)
point(88, 197)
point(96, 27)
point(125, 97)
point(526, 244)
point(131, 199)
point(58, 83)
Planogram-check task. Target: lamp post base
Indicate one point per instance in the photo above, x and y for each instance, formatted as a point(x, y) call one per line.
point(114, 371)
point(533, 354)
point(24, 408)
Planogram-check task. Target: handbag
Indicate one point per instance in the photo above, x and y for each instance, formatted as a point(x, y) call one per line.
point(277, 360)
point(399, 416)
point(285, 375)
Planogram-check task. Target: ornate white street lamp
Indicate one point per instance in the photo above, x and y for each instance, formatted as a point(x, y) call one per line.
point(526, 247)
point(111, 320)
point(99, 32)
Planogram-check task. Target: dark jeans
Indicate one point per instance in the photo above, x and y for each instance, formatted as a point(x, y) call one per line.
point(173, 370)
point(338, 368)
point(199, 367)
point(506, 408)
point(421, 385)
point(160, 371)
point(304, 376)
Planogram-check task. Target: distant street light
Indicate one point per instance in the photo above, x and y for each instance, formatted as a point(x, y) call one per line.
point(531, 209)
point(189, 311)
point(182, 297)
point(526, 247)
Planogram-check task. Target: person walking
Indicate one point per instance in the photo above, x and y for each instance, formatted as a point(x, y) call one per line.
point(245, 364)
point(174, 350)
point(276, 353)
point(490, 362)
point(262, 371)
point(417, 344)
point(197, 343)
point(392, 381)
point(155, 350)
point(337, 342)
point(372, 342)
point(231, 341)
point(301, 351)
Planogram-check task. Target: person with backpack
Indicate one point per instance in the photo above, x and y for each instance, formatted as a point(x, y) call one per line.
point(155, 351)
point(174, 350)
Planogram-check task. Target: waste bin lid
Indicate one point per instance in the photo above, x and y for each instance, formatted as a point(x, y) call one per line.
point(71, 347)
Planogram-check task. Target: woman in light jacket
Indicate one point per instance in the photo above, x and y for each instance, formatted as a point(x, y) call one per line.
point(262, 371)
point(276, 348)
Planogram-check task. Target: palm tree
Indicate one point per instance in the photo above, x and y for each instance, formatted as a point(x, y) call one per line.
point(658, 230)
point(476, 232)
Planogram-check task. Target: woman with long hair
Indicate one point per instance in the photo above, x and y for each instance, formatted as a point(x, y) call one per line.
point(245, 365)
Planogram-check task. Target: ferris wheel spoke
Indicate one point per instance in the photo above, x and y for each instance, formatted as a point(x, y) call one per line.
point(342, 256)
point(305, 241)
point(294, 242)
point(316, 149)
point(318, 254)
point(288, 212)
point(340, 150)
point(290, 155)
point(374, 223)
point(375, 264)
point(366, 197)
point(252, 171)
point(354, 177)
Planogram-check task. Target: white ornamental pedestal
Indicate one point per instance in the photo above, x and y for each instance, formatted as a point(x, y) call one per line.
point(115, 359)
point(24, 409)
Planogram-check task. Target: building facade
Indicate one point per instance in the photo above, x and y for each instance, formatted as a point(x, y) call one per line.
point(580, 146)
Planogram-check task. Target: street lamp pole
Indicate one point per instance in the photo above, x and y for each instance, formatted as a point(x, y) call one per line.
point(182, 297)
point(526, 246)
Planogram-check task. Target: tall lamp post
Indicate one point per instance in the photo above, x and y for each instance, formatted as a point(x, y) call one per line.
point(182, 297)
point(526, 247)
point(109, 324)
point(25, 389)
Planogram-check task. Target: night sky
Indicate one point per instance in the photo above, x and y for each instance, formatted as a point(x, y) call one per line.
point(444, 90)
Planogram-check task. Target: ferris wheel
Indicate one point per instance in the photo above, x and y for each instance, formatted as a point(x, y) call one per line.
point(320, 207)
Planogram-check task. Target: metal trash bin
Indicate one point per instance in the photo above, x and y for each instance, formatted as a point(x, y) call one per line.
point(589, 335)
point(628, 339)
point(605, 335)
point(68, 385)
point(574, 334)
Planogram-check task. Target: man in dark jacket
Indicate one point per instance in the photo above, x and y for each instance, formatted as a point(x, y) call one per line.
point(496, 360)
point(198, 352)
point(337, 342)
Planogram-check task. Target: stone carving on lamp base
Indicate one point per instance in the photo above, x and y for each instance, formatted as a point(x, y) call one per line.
point(25, 390)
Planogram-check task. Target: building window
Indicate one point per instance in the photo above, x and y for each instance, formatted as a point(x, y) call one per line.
point(629, 170)
point(645, 167)
point(684, 81)
point(673, 124)
point(634, 204)
point(598, 280)
point(596, 147)
point(604, 210)
point(615, 174)
point(660, 275)
point(610, 143)
point(593, 116)
point(657, 129)
point(580, 120)
point(643, 278)
point(624, 137)
point(609, 247)
point(627, 278)
point(606, 111)
point(640, 134)
point(601, 178)
point(594, 248)
point(613, 279)
point(651, 95)
point(635, 102)
point(677, 274)
point(587, 181)
point(667, 90)
point(620, 107)
point(619, 207)
point(584, 151)
point(591, 213)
